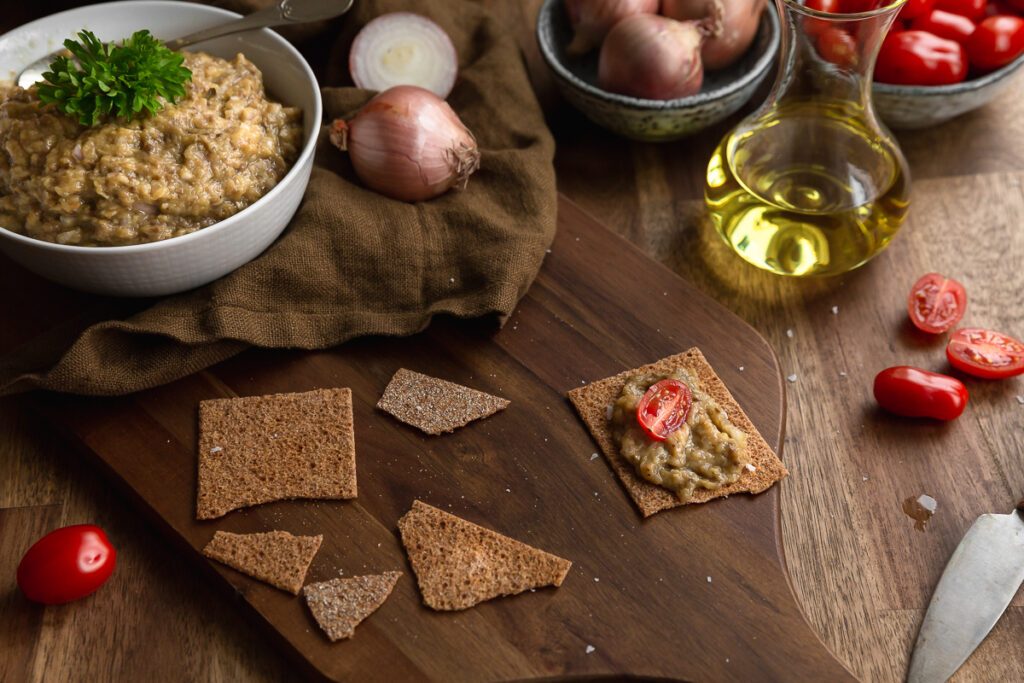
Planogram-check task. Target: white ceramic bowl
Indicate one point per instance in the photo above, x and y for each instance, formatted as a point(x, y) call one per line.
point(180, 263)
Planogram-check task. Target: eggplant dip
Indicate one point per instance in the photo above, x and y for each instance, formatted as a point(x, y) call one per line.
point(219, 149)
point(680, 446)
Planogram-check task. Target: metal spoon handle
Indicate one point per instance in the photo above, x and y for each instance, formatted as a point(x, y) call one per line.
point(282, 12)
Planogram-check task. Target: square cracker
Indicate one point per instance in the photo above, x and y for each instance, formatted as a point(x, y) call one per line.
point(258, 449)
point(592, 403)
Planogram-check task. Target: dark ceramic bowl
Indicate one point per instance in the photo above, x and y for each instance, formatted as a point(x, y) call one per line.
point(724, 91)
point(920, 106)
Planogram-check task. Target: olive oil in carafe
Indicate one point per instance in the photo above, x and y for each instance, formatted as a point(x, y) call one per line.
point(807, 189)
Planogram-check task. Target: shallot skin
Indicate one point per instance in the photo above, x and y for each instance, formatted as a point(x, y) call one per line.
point(734, 25)
point(652, 57)
point(592, 19)
point(408, 144)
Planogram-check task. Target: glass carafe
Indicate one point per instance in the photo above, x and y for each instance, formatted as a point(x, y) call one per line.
point(812, 183)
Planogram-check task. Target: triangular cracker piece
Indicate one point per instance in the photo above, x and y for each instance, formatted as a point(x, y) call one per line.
point(339, 605)
point(459, 564)
point(593, 400)
point(259, 449)
point(435, 405)
point(276, 557)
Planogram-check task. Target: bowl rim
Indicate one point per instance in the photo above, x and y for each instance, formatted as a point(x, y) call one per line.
point(308, 147)
point(960, 88)
point(705, 96)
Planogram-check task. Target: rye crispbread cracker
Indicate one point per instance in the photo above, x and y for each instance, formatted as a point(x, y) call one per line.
point(592, 403)
point(459, 564)
point(276, 557)
point(435, 405)
point(259, 449)
point(339, 605)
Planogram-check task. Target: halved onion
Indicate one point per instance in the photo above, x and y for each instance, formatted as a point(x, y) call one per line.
point(403, 48)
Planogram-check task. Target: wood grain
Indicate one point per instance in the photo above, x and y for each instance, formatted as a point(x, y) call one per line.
point(647, 596)
point(860, 571)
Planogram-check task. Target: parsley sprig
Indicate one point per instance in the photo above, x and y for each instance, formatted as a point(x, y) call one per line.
point(119, 80)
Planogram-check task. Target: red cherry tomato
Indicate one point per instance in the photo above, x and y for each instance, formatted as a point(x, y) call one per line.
point(972, 9)
point(664, 408)
point(913, 392)
point(936, 303)
point(66, 564)
point(915, 8)
point(996, 42)
point(920, 58)
point(814, 26)
point(945, 25)
point(837, 46)
point(985, 353)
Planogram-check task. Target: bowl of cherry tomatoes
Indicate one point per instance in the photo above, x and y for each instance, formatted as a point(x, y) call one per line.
point(942, 58)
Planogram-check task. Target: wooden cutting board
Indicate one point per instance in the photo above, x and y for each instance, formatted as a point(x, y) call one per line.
point(696, 593)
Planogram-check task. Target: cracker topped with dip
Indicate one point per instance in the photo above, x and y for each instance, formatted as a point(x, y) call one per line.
point(668, 453)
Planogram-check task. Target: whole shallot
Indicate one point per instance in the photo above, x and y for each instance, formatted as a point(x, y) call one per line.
point(653, 57)
point(733, 26)
point(592, 19)
point(408, 144)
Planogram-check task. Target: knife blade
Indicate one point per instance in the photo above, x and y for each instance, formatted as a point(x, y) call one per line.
point(978, 583)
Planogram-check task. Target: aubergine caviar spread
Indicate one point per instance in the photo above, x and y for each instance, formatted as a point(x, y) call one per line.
point(219, 149)
point(708, 451)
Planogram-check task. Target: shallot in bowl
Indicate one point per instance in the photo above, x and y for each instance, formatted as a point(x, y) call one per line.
point(721, 92)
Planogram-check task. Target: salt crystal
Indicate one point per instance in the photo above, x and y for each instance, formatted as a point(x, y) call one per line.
point(741, 368)
point(596, 579)
point(863, 478)
point(789, 333)
point(593, 456)
point(751, 467)
point(451, 279)
point(508, 490)
point(792, 378)
point(842, 373)
point(590, 648)
point(1020, 399)
point(835, 310)
point(215, 449)
point(709, 579)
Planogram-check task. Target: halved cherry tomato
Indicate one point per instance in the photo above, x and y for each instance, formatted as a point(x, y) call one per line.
point(972, 9)
point(66, 564)
point(985, 353)
point(913, 392)
point(936, 303)
point(663, 409)
point(915, 8)
point(996, 42)
point(837, 46)
point(945, 25)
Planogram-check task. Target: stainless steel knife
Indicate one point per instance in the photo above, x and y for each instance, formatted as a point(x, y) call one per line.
point(979, 581)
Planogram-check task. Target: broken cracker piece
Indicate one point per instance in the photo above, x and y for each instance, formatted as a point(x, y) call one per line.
point(275, 557)
point(258, 449)
point(339, 605)
point(435, 405)
point(459, 564)
point(593, 400)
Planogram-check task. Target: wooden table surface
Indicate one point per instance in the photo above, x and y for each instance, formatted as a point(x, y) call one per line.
point(860, 570)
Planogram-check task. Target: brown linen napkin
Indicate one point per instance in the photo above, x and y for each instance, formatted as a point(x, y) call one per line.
point(352, 262)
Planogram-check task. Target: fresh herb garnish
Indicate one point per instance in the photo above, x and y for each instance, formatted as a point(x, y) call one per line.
point(119, 80)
